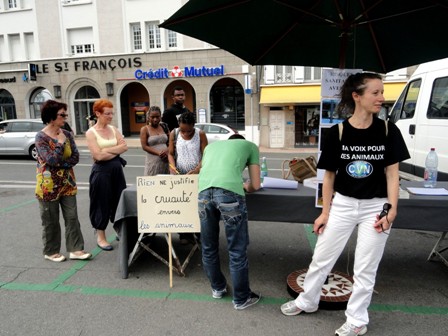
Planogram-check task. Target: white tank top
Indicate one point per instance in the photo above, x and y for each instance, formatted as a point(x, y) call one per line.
point(104, 143)
point(188, 152)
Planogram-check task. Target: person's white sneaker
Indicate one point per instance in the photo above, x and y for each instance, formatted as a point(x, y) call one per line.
point(348, 329)
point(253, 299)
point(218, 294)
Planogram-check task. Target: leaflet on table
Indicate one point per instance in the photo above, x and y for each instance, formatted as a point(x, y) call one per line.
point(428, 191)
point(278, 183)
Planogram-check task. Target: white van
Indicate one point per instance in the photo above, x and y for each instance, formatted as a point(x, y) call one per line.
point(421, 114)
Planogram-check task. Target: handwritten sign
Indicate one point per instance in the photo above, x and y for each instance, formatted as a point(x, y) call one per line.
point(332, 80)
point(167, 203)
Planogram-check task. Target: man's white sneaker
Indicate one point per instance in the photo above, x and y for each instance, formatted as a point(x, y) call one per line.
point(253, 299)
point(218, 294)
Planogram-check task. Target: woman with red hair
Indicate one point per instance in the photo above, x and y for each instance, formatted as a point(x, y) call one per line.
point(107, 180)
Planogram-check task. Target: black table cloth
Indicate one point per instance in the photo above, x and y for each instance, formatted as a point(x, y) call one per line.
point(427, 213)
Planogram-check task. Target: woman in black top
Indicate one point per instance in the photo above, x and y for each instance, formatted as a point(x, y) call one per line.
point(360, 160)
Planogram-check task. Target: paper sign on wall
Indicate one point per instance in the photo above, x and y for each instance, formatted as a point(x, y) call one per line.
point(167, 203)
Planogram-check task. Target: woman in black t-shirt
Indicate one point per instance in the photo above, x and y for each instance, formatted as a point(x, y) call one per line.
point(360, 160)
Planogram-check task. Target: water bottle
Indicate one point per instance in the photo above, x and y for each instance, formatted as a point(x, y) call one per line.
point(431, 169)
point(263, 169)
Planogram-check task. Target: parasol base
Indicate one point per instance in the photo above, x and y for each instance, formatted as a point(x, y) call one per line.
point(335, 292)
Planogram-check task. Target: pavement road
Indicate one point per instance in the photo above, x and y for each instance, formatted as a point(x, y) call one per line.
point(38, 297)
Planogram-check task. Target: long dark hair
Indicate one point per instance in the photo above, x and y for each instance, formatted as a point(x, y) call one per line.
point(354, 83)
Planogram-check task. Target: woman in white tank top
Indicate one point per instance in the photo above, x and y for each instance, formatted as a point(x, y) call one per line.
point(107, 179)
point(186, 146)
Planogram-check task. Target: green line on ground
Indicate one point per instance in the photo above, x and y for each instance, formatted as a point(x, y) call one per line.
point(134, 293)
point(79, 265)
point(421, 310)
point(18, 205)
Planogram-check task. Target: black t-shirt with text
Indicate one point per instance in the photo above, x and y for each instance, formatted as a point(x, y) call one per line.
point(361, 156)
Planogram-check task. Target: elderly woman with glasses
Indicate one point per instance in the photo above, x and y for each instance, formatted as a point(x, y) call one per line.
point(107, 180)
point(56, 185)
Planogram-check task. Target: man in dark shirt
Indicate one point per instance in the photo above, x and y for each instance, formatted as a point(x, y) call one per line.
point(171, 114)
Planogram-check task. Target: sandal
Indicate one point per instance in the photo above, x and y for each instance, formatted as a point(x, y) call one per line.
point(80, 255)
point(55, 257)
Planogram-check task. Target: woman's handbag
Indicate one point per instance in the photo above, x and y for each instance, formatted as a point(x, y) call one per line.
point(300, 168)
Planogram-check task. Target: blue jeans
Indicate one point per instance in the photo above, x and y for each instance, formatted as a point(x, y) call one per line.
point(215, 204)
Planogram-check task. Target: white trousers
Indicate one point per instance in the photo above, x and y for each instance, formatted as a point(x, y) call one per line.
point(345, 214)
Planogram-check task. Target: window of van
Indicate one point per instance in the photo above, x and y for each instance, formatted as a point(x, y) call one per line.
point(404, 108)
point(438, 104)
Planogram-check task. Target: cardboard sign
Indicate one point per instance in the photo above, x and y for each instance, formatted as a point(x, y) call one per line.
point(167, 203)
point(332, 80)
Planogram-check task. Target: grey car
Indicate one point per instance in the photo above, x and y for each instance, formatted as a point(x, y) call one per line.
point(17, 136)
point(216, 132)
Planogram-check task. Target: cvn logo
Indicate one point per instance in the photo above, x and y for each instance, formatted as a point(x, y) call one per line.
point(359, 169)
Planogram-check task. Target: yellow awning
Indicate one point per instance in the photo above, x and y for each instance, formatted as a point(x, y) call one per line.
point(393, 90)
point(302, 94)
point(290, 94)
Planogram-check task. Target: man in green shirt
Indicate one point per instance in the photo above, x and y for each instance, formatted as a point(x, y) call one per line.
point(221, 196)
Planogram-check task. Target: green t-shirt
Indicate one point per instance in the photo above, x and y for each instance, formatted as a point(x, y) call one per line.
point(224, 161)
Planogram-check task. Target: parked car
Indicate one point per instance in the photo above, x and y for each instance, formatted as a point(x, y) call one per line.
point(216, 132)
point(17, 136)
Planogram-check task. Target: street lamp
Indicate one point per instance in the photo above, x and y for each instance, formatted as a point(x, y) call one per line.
point(110, 88)
point(57, 91)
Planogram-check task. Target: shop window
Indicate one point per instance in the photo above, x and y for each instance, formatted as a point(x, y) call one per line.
point(227, 104)
point(83, 104)
point(37, 100)
point(7, 106)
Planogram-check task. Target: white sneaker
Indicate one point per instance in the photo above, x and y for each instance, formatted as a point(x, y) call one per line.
point(253, 299)
point(348, 329)
point(218, 294)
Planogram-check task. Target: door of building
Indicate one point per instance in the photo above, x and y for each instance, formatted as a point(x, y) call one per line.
point(277, 129)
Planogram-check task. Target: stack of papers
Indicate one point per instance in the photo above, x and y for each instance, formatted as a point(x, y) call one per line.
point(428, 191)
point(277, 183)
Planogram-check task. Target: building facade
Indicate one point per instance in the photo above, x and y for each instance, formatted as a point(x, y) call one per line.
point(78, 51)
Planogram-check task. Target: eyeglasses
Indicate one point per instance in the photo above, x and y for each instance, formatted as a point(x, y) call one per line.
point(385, 212)
point(63, 115)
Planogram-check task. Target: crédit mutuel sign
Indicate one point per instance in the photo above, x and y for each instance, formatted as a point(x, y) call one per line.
point(123, 63)
point(176, 72)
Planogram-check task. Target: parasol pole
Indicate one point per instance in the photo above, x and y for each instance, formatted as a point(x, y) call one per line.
point(344, 43)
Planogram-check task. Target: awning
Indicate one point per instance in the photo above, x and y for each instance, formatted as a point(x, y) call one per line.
point(310, 94)
point(290, 94)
